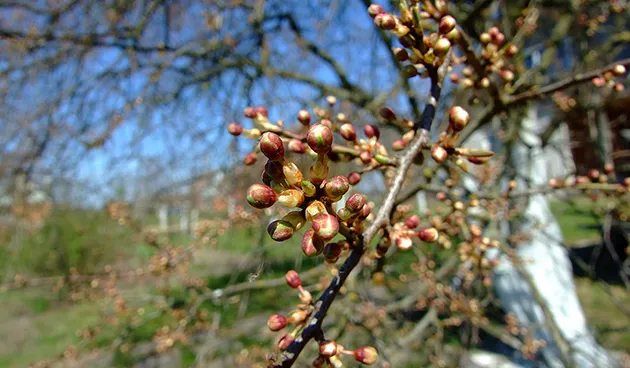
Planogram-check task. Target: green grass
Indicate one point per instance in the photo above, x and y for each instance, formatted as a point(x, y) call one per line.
point(576, 222)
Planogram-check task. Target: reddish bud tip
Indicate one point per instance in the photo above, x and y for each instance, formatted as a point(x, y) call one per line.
point(331, 100)
point(320, 138)
point(356, 202)
point(261, 196)
point(458, 118)
point(293, 279)
point(271, 146)
point(507, 75)
point(385, 21)
point(365, 355)
point(619, 70)
point(328, 348)
point(336, 187)
point(429, 234)
point(593, 174)
point(277, 322)
point(235, 129)
point(250, 112)
point(262, 111)
point(399, 145)
point(354, 178)
point(372, 131)
point(388, 114)
point(297, 146)
point(439, 154)
point(447, 24)
point(280, 230)
point(285, 342)
point(366, 157)
point(412, 222)
point(348, 132)
point(375, 9)
point(312, 245)
point(332, 251)
point(304, 117)
point(325, 226)
point(365, 212)
point(250, 159)
point(401, 54)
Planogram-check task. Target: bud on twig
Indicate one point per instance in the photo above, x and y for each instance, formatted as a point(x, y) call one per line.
point(429, 234)
point(372, 131)
point(447, 24)
point(277, 322)
point(261, 196)
point(312, 245)
point(285, 342)
point(280, 230)
point(235, 129)
point(458, 118)
point(328, 348)
point(296, 219)
point(325, 226)
point(271, 146)
point(332, 251)
point(297, 146)
point(293, 279)
point(348, 132)
point(250, 159)
point(354, 178)
point(356, 202)
point(375, 9)
point(439, 154)
point(320, 138)
point(365, 355)
point(304, 117)
point(412, 222)
point(336, 187)
point(292, 173)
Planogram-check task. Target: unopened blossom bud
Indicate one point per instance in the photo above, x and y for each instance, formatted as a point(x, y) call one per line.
point(250, 112)
point(409, 71)
point(298, 316)
point(593, 174)
point(453, 36)
point(498, 39)
point(408, 137)
point(325, 226)
point(250, 159)
point(485, 38)
point(507, 75)
point(313, 209)
point(292, 173)
point(388, 114)
point(291, 198)
point(412, 222)
point(326, 122)
point(277, 322)
point(348, 132)
point(332, 251)
point(366, 157)
point(609, 168)
point(344, 214)
point(293, 279)
point(318, 171)
point(484, 82)
point(439, 154)
point(297, 146)
point(403, 242)
point(285, 342)
point(619, 70)
point(296, 219)
point(429, 234)
point(458, 118)
point(261, 110)
point(304, 117)
point(372, 131)
point(320, 138)
point(328, 348)
point(356, 202)
point(354, 178)
point(280, 230)
point(312, 245)
point(598, 82)
point(336, 187)
point(385, 21)
point(399, 145)
point(441, 47)
point(447, 23)
point(511, 51)
point(331, 100)
point(375, 9)
point(261, 196)
point(308, 188)
point(271, 146)
point(235, 129)
point(275, 170)
point(365, 355)
point(365, 212)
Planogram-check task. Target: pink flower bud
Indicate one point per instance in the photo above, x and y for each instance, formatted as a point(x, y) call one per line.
point(250, 159)
point(403, 242)
point(507, 75)
point(447, 24)
point(511, 51)
point(388, 114)
point(312, 245)
point(365, 355)
point(285, 342)
point(250, 112)
point(320, 138)
point(439, 154)
point(375, 9)
point(336, 187)
point(262, 111)
point(280, 230)
point(354, 178)
point(261, 196)
point(356, 202)
point(399, 145)
point(325, 226)
point(304, 117)
point(412, 222)
point(277, 322)
point(271, 146)
point(485, 38)
point(332, 251)
point(297, 146)
point(429, 234)
point(293, 279)
point(598, 82)
point(328, 348)
point(365, 212)
point(235, 129)
point(593, 174)
point(348, 132)
point(366, 157)
point(385, 21)
point(458, 118)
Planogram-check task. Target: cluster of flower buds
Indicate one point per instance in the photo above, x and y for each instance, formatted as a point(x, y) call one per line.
point(403, 233)
point(421, 50)
point(607, 79)
point(330, 353)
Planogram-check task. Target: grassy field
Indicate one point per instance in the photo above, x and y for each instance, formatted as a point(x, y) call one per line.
point(36, 324)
